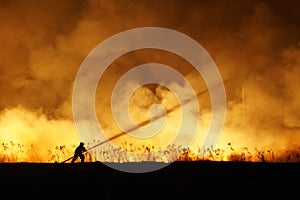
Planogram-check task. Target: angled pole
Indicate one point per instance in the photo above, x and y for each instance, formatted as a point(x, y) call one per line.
point(143, 123)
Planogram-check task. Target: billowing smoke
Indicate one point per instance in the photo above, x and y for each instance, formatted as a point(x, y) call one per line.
point(255, 45)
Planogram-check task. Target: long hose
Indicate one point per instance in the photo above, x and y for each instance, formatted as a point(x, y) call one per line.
point(142, 123)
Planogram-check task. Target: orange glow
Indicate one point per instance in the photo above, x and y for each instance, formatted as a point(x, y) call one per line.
point(31, 137)
point(255, 45)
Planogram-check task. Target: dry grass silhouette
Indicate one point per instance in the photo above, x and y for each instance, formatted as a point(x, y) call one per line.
point(16, 152)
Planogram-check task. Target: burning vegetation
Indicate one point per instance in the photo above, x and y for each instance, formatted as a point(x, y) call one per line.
point(255, 45)
point(11, 152)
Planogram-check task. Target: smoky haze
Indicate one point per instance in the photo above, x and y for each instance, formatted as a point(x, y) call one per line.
point(255, 44)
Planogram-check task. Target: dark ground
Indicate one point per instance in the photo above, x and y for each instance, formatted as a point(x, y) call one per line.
point(179, 179)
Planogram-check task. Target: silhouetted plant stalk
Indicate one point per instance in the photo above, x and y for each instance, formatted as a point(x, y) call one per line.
point(127, 152)
point(11, 152)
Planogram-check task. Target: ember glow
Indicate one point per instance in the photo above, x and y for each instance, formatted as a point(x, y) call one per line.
point(255, 44)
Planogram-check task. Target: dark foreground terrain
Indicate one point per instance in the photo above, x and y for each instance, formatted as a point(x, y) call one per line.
point(177, 179)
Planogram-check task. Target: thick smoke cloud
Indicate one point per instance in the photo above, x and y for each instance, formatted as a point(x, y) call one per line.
point(255, 45)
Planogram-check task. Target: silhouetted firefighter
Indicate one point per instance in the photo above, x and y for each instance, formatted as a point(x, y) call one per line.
point(79, 153)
